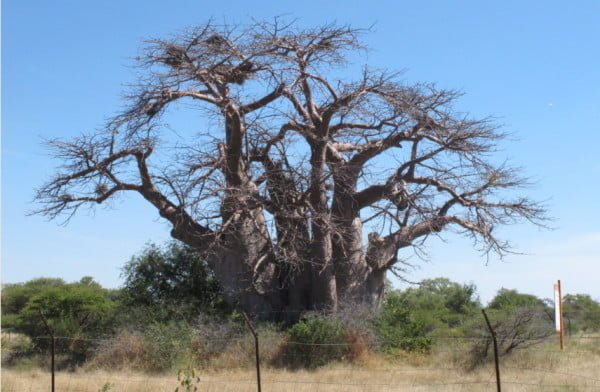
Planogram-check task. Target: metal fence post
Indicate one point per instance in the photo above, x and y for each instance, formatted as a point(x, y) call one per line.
point(52, 345)
point(249, 324)
point(487, 321)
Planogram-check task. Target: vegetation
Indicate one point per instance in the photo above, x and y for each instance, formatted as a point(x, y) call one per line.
point(440, 304)
point(80, 311)
point(398, 329)
point(512, 299)
point(16, 296)
point(581, 313)
point(315, 342)
point(170, 313)
point(168, 283)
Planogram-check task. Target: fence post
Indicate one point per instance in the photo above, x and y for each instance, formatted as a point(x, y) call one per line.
point(249, 324)
point(496, 362)
point(561, 320)
point(52, 343)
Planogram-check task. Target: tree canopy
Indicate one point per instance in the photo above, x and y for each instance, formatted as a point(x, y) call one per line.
point(15, 296)
point(172, 277)
point(301, 186)
point(440, 303)
point(581, 312)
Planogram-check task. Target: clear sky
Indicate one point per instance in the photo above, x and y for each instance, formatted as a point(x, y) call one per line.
point(534, 65)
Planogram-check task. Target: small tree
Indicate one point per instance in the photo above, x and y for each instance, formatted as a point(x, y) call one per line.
point(507, 299)
point(76, 312)
point(315, 341)
point(581, 312)
point(15, 297)
point(519, 321)
point(440, 303)
point(173, 281)
point(397, 329)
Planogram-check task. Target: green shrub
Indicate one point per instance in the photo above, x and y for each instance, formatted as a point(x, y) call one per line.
point(171, 283)
point(507, 299)
point(581, 312)
point(15, 296)
point(10, 321)
point(440, 304)
point(76, 312)
point(396, 330)
point(314, 342)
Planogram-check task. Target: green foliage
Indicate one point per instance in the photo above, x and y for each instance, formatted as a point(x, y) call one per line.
point(511, 299)
point(439, 304)
point(397, 330)
point(315, 341)
point(188, 380)
point(76, 310)
point(170, 283)
point(581, 312)
point(16, 296)
point(106, 387)
point(166, 325)
point(10, 321)
point(317, 330)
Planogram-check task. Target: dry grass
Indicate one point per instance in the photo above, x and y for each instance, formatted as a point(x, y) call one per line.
point(538, 368)
point(324, 380)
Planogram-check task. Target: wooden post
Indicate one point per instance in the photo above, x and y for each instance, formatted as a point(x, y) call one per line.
point(51, 333)
point(561, 320)
point(249, 324)
point(496, 360)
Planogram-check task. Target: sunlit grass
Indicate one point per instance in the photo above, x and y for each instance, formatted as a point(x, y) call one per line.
point(544, 366)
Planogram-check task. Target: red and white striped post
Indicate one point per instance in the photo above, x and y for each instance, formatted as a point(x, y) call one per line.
point(558, 314)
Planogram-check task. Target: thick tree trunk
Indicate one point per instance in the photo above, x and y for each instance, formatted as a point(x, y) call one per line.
point(357, 281)
point(317, 260)
point(256, 280)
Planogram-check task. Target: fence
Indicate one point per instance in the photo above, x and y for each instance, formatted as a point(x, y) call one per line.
point(229, 363)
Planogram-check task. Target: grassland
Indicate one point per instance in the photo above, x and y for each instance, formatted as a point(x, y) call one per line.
point(543, 367)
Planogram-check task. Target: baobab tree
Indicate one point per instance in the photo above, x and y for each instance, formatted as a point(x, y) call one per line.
point(302, 185)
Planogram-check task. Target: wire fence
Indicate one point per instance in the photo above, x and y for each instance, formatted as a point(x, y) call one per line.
point(229, 364)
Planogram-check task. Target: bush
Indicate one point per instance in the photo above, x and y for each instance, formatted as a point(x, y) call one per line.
point(126, 350)
point(171, 282)
point(160, 347)
point(581, 312)
point(440, 304)
point(16, 296)
point(397, 331)
point(77, 311)
point(315, 341)
point(511, 299)
point(169, 346)
point(515, 328)
point(15, 347)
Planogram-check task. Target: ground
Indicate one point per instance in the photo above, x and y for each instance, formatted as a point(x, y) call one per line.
point(543, 367)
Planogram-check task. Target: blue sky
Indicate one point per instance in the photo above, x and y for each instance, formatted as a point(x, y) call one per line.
point(533, 65)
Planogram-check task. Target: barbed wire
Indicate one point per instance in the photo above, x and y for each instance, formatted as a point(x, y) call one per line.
point(404, 375)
